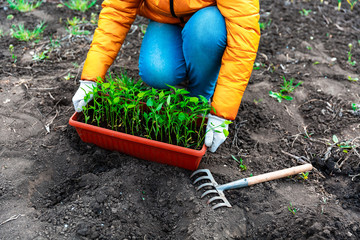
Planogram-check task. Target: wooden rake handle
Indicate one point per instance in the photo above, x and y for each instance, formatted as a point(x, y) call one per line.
point(278, 174)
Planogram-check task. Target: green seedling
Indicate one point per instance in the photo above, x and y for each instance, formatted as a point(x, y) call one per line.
point(352, 63)
point(74, 21)
point(279, 96)
point(304, 176)
point(264, 25)
point(355, 107)
point(309, 48)
point(80, 5)
point(11, 49)
point(339, 5)
point(22, 34)
point(240, 161)
point(75, 64)
point(41, 56)
point(76, 31)
point(316, 63)
point(74, 27)
point(24, 5)
point(305, 12)
point(94, 19)
point(69, 76)
point(345, 145)
point(308, 135)
point(288, 86)
point(143, 28)
point(164, 115)
point(257, 101)
point(352, 3)
point(353, 79)
point(258, 65)
point(10, 17)
point(54, 44)
point(292, 209)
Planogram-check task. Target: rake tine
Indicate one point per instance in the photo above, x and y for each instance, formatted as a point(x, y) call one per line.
point(204, 185)
point(202, 178)
point(209, 192)
point(215, 198)
point(200, 171)
point(221, 205)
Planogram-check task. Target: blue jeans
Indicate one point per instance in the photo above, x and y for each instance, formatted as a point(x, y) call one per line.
point(170, 54)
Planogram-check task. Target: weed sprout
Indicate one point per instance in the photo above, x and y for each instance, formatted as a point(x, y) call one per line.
point(355, 107)
point(41, 56)
point(19, 32)
point(80, 5)
point(13, 56)
point(305, 12)
point(24, 5)
point(264, 25)
point(287, 87)
point(240, 161)
point(352, 3)
point(352, 63)
point(74, 26)
point(292, 209)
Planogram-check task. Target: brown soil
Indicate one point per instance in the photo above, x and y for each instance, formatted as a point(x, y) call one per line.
point(54, 186)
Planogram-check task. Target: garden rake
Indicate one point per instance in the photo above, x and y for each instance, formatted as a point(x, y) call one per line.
point(245, 182)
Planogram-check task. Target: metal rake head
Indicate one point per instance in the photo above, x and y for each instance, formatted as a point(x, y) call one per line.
point(205, 175)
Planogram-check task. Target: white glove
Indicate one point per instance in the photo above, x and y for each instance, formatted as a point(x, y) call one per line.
point(216, 132)
point(84, 88)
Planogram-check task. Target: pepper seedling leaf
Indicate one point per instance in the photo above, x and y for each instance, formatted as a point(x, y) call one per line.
point(106, 85)
point(149, 102)
point(194, 99)
point(116, 100)
point(141, 94)
point(159, 107)
point(181, 117)
point(161, 94)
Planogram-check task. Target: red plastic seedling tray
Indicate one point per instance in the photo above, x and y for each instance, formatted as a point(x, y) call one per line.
point(138, 147)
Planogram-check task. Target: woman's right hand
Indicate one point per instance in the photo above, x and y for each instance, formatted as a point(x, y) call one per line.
point(84, 88)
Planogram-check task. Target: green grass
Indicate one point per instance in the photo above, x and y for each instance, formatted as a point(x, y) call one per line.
point(80, 5)
point(24, 5)
point(287, 87)
point(74, 27)
point(41, 56)
point(22, 34)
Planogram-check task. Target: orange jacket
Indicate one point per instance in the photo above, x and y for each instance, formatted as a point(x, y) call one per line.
point(243, 35)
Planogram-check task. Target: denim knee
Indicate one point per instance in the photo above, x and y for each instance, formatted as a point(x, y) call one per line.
point(207, 27)
point(160, 75)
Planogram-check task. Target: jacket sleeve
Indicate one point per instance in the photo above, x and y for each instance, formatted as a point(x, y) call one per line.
point(243, 36)
point(114, 23)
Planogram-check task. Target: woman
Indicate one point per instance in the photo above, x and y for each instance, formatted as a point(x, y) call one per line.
point(211, 43)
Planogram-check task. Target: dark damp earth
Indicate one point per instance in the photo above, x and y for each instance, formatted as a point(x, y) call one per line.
point(54, 186)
